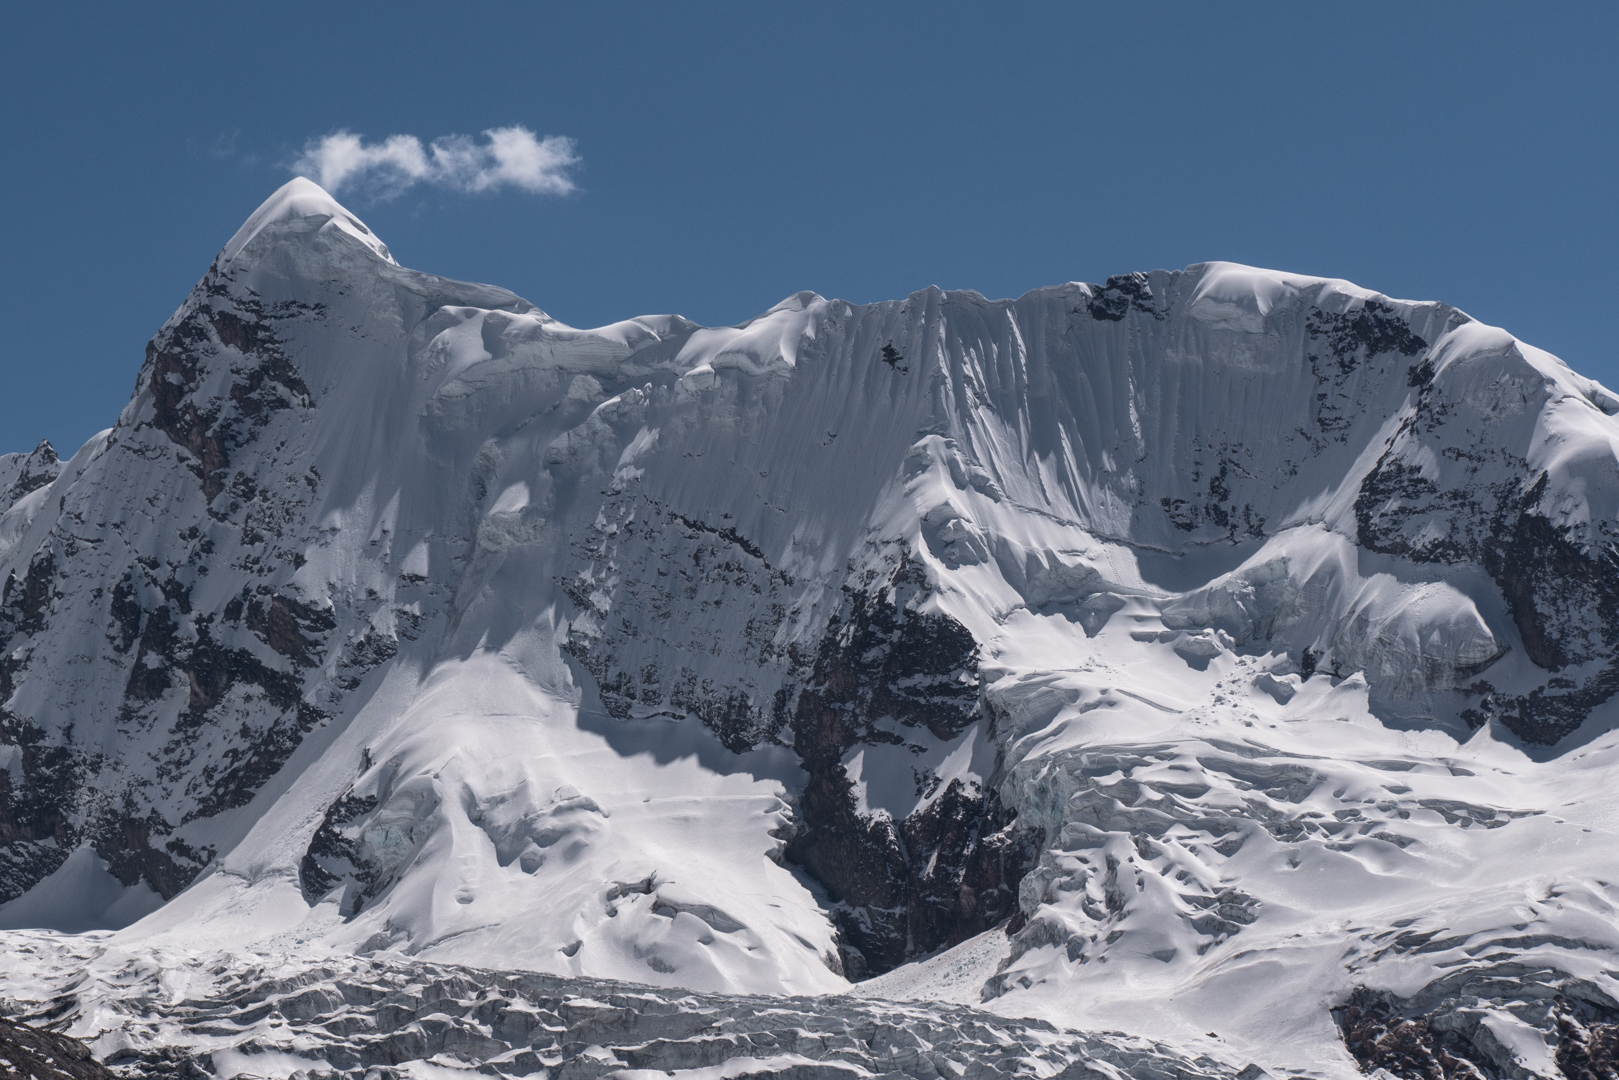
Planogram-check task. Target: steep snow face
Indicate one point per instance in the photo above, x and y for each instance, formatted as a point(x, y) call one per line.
point(394, 615)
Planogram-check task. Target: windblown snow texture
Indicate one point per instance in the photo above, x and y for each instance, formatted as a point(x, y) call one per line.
point(1200, 636)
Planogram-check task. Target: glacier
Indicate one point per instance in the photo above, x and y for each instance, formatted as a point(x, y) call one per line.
point(1206, 672)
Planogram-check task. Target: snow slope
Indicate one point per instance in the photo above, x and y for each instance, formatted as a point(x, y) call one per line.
point(1204, 636)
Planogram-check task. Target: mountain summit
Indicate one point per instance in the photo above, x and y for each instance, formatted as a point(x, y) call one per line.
point(1201, 633)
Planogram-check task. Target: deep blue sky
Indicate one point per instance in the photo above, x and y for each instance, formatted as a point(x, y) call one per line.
point(734, 154)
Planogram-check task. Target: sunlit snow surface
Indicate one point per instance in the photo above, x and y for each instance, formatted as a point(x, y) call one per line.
point(1230, 847)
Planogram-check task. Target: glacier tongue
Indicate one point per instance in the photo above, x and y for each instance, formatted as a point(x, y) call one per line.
point(306, 1018)
point(1130, 650)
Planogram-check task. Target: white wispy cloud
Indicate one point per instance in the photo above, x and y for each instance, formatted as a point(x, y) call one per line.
point(504, 157)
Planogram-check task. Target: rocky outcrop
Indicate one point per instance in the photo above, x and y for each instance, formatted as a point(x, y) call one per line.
point(680, 617)
point(949, 869)
point(209, 424)
point(1489, 507)
point(23, 474)
point(223, 689)
point(334, 854)
point(660, 597)
point(31, 1053)
point(1122, 294)
point(1500, 1022)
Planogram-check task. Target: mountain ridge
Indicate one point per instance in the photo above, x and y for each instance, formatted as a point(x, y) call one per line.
point(395, 616)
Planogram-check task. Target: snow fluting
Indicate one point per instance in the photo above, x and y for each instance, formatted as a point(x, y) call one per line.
point(1219, 658)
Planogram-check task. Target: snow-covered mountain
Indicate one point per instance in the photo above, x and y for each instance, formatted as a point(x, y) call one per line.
point(1205, 637)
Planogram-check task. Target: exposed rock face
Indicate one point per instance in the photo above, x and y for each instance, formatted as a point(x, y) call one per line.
point(646, 567)
point(159, 590)
point(23, 474)
point(31, 1053)
point(1492, 1023)
point(334, 855)
point(949, 869)
point(191, 666)
point(1555, 572)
